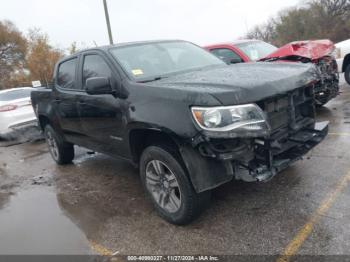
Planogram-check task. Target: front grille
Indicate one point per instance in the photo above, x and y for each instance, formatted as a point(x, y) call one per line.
point(290, 112)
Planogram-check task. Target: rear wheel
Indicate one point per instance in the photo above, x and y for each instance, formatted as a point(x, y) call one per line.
point(167, 184)
point(347, 74)
point(61, 151)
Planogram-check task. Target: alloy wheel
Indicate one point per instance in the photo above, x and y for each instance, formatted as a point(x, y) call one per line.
point(163, 186)
point(52, 145)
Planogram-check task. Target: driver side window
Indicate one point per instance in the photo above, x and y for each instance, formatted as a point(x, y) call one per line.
point(95, 66)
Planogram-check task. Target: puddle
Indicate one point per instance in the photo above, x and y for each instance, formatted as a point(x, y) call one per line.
point(82, 158)
point(33, 223)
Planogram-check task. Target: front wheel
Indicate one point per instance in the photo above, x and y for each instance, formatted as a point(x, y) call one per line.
point(61, 151)
point(347, 74)
point(167, 184)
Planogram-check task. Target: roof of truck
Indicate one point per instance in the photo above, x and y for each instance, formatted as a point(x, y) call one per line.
point(106, 47)
point(141, 43)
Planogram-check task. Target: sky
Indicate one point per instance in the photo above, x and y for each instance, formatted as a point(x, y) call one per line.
point(82, 21)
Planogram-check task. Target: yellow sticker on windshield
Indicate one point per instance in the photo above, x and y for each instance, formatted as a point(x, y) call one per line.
point(137, 72)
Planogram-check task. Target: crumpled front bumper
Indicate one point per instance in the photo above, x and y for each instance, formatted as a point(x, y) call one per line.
point(273, 161)
point(210, 166)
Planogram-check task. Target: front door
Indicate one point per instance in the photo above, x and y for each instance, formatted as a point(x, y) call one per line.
point(101, 115)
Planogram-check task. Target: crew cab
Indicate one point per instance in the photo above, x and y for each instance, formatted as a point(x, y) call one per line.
point(318, 52)
point(187, 120)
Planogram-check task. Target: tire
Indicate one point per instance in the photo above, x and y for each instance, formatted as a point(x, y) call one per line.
point(347, 74)
point(61, 151)
point(167, 185)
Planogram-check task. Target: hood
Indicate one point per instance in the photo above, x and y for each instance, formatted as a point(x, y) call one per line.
point(244, 82)
point(344, 43)
point(311, 49)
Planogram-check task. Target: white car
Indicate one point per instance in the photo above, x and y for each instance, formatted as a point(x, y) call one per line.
point(16, 112)
point(343, 58)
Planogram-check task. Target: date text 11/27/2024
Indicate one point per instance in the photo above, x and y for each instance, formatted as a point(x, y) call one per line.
point(172, 258)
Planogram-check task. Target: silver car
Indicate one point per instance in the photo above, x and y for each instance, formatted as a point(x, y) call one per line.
point(16, 112)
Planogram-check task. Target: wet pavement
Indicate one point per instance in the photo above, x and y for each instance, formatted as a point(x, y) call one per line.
point(34, 223)
point(97, 205)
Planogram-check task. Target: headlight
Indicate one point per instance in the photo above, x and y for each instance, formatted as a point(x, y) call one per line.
point(211, 118)
point(231, 121)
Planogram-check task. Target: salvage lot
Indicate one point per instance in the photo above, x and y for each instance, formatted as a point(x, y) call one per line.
point(97, 205)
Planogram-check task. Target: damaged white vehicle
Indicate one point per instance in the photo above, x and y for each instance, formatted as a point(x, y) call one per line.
point(16, 111)
point(343, 58)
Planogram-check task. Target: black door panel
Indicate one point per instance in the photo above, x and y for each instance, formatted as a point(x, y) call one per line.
point(101, 115)
point(66, 94)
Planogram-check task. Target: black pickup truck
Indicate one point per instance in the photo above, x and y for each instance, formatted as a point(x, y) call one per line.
point(187, 120)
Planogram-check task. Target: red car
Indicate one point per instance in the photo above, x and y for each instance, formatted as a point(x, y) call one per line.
point(318, 52)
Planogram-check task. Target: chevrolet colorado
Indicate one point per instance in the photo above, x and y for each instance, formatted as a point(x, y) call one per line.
point(189, 121)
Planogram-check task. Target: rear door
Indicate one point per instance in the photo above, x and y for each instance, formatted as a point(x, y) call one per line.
point(65, 97)
point(101, 115)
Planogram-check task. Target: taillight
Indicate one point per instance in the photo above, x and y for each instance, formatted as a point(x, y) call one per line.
point(7, 108)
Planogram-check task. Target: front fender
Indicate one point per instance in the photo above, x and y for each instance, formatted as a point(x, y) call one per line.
point(205, 173)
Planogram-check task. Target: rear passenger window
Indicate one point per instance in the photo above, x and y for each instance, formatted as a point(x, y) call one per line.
point(95, 66)
point(66, 74)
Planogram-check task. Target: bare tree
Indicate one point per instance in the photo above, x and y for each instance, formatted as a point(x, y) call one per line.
point(265, 32)
point(41, 57)
point(334, 8)
point(315, 19)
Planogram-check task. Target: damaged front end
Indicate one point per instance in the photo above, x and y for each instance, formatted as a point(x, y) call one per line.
point(319, 53)
point(259, 154)
point(328, 86)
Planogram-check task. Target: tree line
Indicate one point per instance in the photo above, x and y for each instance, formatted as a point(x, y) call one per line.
point(312, 19)
point(26, 58)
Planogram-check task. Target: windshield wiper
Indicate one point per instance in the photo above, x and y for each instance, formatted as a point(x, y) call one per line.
point(153, 79)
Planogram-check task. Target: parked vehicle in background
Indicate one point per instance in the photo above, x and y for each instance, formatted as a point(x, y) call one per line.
point(318, 52)
point(343, 58)
point(188, 120)
point(16, 111)
point(242, 50)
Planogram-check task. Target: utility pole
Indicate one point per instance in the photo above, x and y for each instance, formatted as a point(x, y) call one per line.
point(108, 23)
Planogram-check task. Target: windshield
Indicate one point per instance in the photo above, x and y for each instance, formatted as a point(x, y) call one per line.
point(257, 49)
point(15, 94)
point(152, 60)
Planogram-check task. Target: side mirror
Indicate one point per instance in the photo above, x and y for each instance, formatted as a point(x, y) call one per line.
point(99, 86)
